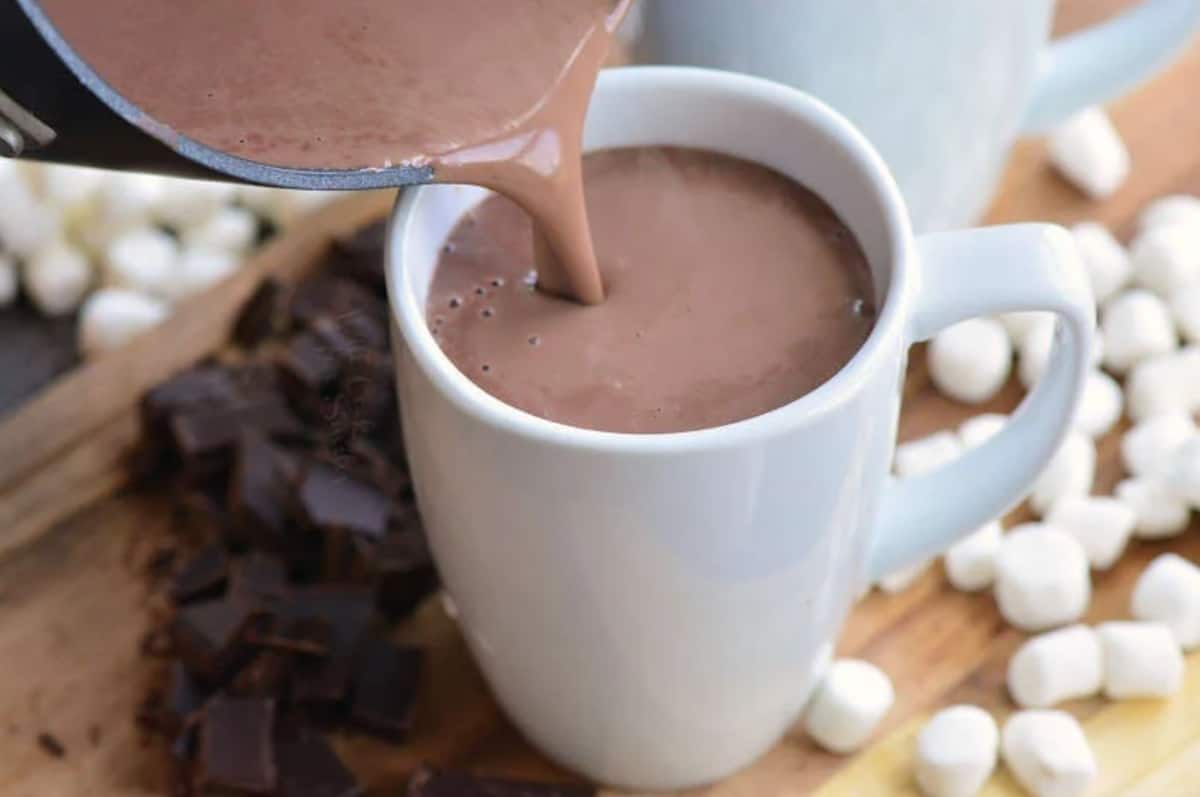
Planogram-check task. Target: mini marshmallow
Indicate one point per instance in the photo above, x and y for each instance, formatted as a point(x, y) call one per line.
point(970, 361)
point(1160, 513)
point(848, 705)
point(926, 453)
point(1103, 526)
point(956, 752)
point(1136, 325)
point(27, 224)
point(977, 430)
point(1141, 659)
point(187, 203)
point(143, 259)
point(1070, 471)
point(1047, 753)
point(111, 317)
point(70, 187)
point(1181, 475)
point(1042, 578)
point(56, 278)
point(971, 562)
point(123, 202)
point(199, 269)
point(230, 229)
point(1147, 447)
point(1108, 265)
point(1162, 384)
point(1172, 209)
point(1055, 667)
point(1168, 592)
point(1166, 258)
point(900, 580)
point(1087, 150)
point(1100, 406)
point(1034, 352)
point(9, 282)
point(1185, 307)
point(1018, 325)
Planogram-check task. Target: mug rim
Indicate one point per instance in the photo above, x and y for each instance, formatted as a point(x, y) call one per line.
point(409, 315)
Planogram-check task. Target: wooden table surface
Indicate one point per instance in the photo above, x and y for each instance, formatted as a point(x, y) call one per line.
point(73, 603)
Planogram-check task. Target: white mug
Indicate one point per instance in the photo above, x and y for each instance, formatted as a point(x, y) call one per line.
point(940, 87)
point(651, 610)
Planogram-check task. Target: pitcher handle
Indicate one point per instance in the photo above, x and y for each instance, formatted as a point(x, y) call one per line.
point(1095, 65)
point(969, 273)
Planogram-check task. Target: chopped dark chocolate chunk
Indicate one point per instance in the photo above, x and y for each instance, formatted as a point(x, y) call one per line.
point(352, 335)
point(385, 688)
point(237, 747)
point(265, 675)
point(360, 257)
point(186, 696)
point(428, 782)
point(51, 745)
point(260, 491)
point(365, 461)
point(258, 580)
point(306, 636)
point(203, 433)
point(203, 387)
point(203, 577)
point(308, 767)
point(326, 296)
point(349, 613)
point(308, 367)
point(209, 637)
point(264, 316)
point(404, 573)
point(330, 500)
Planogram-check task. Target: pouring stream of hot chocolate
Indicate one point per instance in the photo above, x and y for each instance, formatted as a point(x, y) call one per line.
point(492, 93)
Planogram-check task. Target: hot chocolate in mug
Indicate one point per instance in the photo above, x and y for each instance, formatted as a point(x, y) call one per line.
point(650, 610)
point(940, 87)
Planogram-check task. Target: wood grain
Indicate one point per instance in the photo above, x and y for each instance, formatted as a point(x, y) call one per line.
point(73, 603)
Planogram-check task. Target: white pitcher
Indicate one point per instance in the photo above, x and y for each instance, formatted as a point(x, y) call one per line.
point(941, 87)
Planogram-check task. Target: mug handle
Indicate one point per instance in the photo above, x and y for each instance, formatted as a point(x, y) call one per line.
point(1013, 267)
point(1104, 61)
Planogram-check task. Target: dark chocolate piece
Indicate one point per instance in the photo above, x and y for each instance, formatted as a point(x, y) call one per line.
point(236, 746)
point(306, 636)
point(209, 637)
point(360, 257)
point(308, 767)
point(203, 577)
point(264, 316)
point(428, 782)
point(51, 745)
point(203, 387)
point(327, 296)
point(186, 696)
point(308, 367)
point(404, 573)
point(329, 500)
point(258, 580)
point(204, 433)
point(385, 688)
point(265, 675)
point(348, 612)
point(260, 491)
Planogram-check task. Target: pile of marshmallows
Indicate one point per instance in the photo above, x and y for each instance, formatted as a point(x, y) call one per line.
point(1149, 299)
point(124, 249)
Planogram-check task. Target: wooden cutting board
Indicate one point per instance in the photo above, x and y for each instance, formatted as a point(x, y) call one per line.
point(73, 600)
